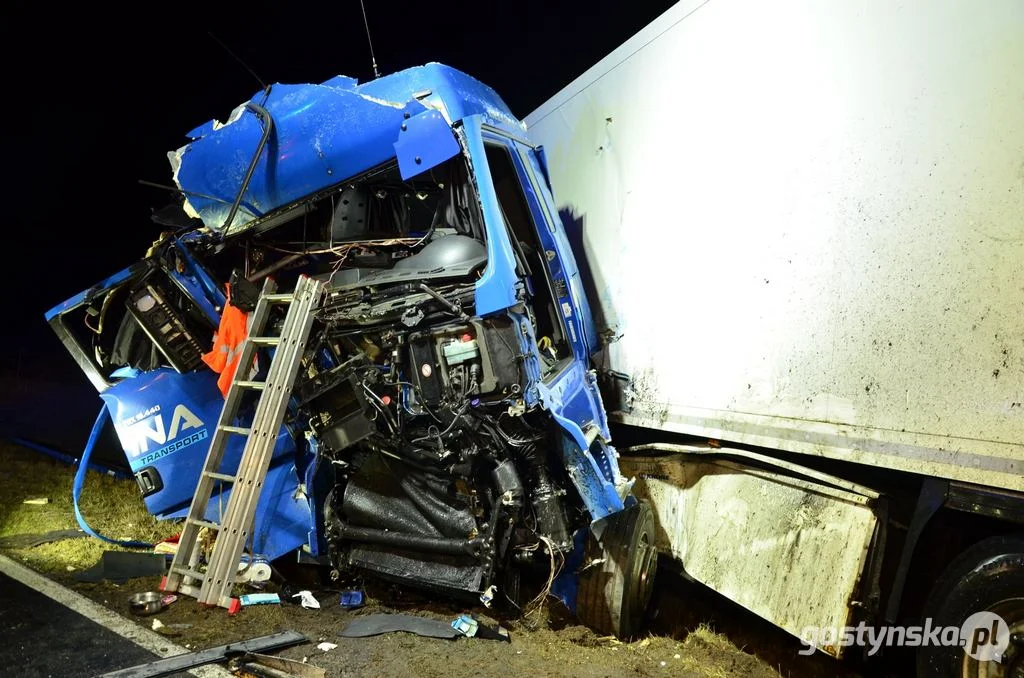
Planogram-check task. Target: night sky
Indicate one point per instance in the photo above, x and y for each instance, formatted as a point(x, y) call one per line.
point(99, 97)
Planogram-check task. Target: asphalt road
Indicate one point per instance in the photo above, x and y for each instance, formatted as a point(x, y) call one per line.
point(40, 637)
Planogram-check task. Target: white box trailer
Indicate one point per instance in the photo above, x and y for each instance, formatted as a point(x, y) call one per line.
point(805, 223)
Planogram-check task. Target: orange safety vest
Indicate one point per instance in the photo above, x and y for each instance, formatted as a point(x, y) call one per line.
point(227, 344)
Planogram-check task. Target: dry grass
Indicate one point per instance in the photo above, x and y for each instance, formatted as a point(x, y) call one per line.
point(112, 507)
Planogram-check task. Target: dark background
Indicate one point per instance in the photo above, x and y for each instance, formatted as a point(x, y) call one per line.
point(95, 98)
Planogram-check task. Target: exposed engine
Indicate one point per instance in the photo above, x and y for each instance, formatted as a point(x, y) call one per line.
point(442, 476)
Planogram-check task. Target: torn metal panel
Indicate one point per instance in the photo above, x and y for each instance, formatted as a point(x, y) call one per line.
point(323, 134)
point(425, 142)
point(788, 549)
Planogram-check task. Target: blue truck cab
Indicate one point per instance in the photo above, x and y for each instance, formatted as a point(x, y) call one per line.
point(445, 430)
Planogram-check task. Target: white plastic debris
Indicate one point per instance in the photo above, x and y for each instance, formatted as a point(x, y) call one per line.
point(157, 624)
point(675, 656)
point(326, 647)
point(664, 663)
point(307, 600)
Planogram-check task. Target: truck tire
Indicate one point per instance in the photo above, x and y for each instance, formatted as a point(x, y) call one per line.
point(618, 573)
point(989, 576)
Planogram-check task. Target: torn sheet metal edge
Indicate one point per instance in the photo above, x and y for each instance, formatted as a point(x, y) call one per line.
point(789, 467)
point(789, 550)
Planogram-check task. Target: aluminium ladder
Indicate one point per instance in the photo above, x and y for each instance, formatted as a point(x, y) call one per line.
point(213, 587)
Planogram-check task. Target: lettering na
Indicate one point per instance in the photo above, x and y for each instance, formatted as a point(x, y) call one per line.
point(139, 436)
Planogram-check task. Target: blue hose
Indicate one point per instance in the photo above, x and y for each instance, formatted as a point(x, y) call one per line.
point(68, 459)
point(76, 490)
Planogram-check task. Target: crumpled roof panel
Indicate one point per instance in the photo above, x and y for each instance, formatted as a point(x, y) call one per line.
point(323, 134)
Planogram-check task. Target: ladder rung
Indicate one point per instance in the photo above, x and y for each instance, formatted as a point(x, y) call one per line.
point(204, 523)
point(214, 586)
point(190, 590)
point(257, 385)
point(185, 572)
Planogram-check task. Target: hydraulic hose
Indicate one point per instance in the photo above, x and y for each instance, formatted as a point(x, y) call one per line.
point(76, 489)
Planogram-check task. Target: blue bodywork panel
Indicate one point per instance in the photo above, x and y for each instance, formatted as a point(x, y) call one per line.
point(426, 141)
point(571, 395)
point(323, 134)
point(566, 265)
point(573, 401)
point(85, 296)
point(164, 421)
point(496, 288)
point(566, 585)
point(204, 290)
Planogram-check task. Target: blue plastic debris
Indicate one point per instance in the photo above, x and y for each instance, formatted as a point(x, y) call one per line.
point(352, 599)
point(466, 625)
point(259, 599)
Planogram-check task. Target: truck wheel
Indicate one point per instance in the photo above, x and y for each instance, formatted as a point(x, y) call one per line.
point(988, 577)
point(618, 573)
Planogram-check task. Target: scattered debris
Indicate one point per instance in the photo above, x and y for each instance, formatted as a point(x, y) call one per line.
point(376, 624)
point(253, 570)
point(38, 501)
point(184, 662)
point(307, 600)
point(27, 541)
point(120, 566)
point(149, 602)
point(466, 625)
point(259, 599)
point(352, 599)
point(326, 647)
point(167, 546)
point(487, 596)
point(263, 666)
point(166, 629)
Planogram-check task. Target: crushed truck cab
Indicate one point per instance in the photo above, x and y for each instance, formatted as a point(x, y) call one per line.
point(445, 429)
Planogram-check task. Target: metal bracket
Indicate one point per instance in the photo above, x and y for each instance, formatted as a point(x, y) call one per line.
point(184, 662)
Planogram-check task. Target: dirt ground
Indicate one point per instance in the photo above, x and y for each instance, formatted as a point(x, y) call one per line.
point(685, 637)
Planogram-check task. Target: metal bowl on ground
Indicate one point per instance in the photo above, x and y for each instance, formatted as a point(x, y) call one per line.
point(149, 602)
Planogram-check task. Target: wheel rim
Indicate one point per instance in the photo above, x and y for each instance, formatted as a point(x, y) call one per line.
point(1012, 666)
point(644, 566)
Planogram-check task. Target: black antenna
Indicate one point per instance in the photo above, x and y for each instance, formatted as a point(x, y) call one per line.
point(239, 60)
point(366, 23)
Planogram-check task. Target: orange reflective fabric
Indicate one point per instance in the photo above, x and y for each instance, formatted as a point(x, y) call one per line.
point(227, 345)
